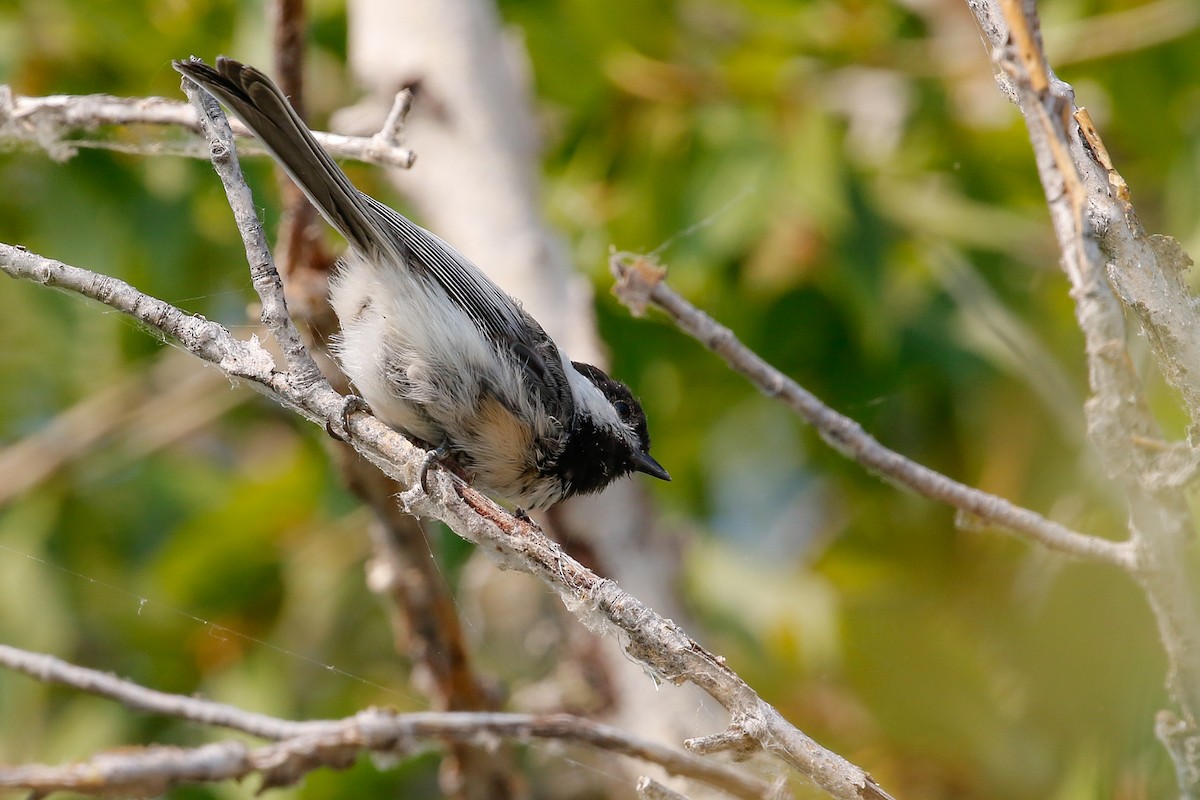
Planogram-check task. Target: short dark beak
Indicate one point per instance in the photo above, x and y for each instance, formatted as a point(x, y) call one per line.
point(642, 462)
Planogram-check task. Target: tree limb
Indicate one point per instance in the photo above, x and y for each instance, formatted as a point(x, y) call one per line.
point(640, 281)
point(660, 645)
point(304, 746)
point(1104, 249)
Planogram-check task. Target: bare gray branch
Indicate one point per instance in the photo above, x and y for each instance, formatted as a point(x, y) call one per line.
point(639, 282)
point(304, 746)
point(49, 123)
point(656, 642)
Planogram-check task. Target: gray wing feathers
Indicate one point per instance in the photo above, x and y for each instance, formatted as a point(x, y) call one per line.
point(375, 229)
point(492, 310)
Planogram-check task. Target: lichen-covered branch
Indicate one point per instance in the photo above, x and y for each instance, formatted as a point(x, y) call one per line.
point(657, 643)
point(1109, 260)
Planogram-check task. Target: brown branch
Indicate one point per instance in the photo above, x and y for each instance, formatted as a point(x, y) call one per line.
point(427, 626)
point(639, 282)
point(301, 248)
point(288, 26)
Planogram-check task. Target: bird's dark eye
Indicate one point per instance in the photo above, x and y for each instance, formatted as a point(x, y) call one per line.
point(623, 409)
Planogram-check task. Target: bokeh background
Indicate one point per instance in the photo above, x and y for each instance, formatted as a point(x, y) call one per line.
point(839, 181)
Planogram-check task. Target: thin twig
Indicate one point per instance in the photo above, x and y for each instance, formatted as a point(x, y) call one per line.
point(49, 123)
point(639, 281)
point(263, 274)
point(307, 745)
point(51, 670)
point(392, 130)
point(650, 789)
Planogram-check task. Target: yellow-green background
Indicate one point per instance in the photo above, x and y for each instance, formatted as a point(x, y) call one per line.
point(888, 266)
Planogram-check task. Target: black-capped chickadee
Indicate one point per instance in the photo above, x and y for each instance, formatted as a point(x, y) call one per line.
point(435, 348)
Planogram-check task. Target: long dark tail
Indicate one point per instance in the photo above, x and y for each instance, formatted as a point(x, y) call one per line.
point(257, 101)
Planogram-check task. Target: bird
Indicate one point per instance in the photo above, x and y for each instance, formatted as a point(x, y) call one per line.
point(433, 346)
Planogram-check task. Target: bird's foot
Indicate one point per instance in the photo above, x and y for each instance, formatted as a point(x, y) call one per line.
point(351, 404)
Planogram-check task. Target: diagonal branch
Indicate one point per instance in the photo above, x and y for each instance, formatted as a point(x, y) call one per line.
point(639, 281)
point(263, 275)
point(657, 643)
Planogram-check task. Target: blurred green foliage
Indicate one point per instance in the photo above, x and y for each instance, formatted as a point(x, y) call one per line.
point(840, 183)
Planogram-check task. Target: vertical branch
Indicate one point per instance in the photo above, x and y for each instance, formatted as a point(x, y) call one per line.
point(302, 369)
point(288, 29)
point(1085, 196)
point(657, 643)
point(304, 260)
